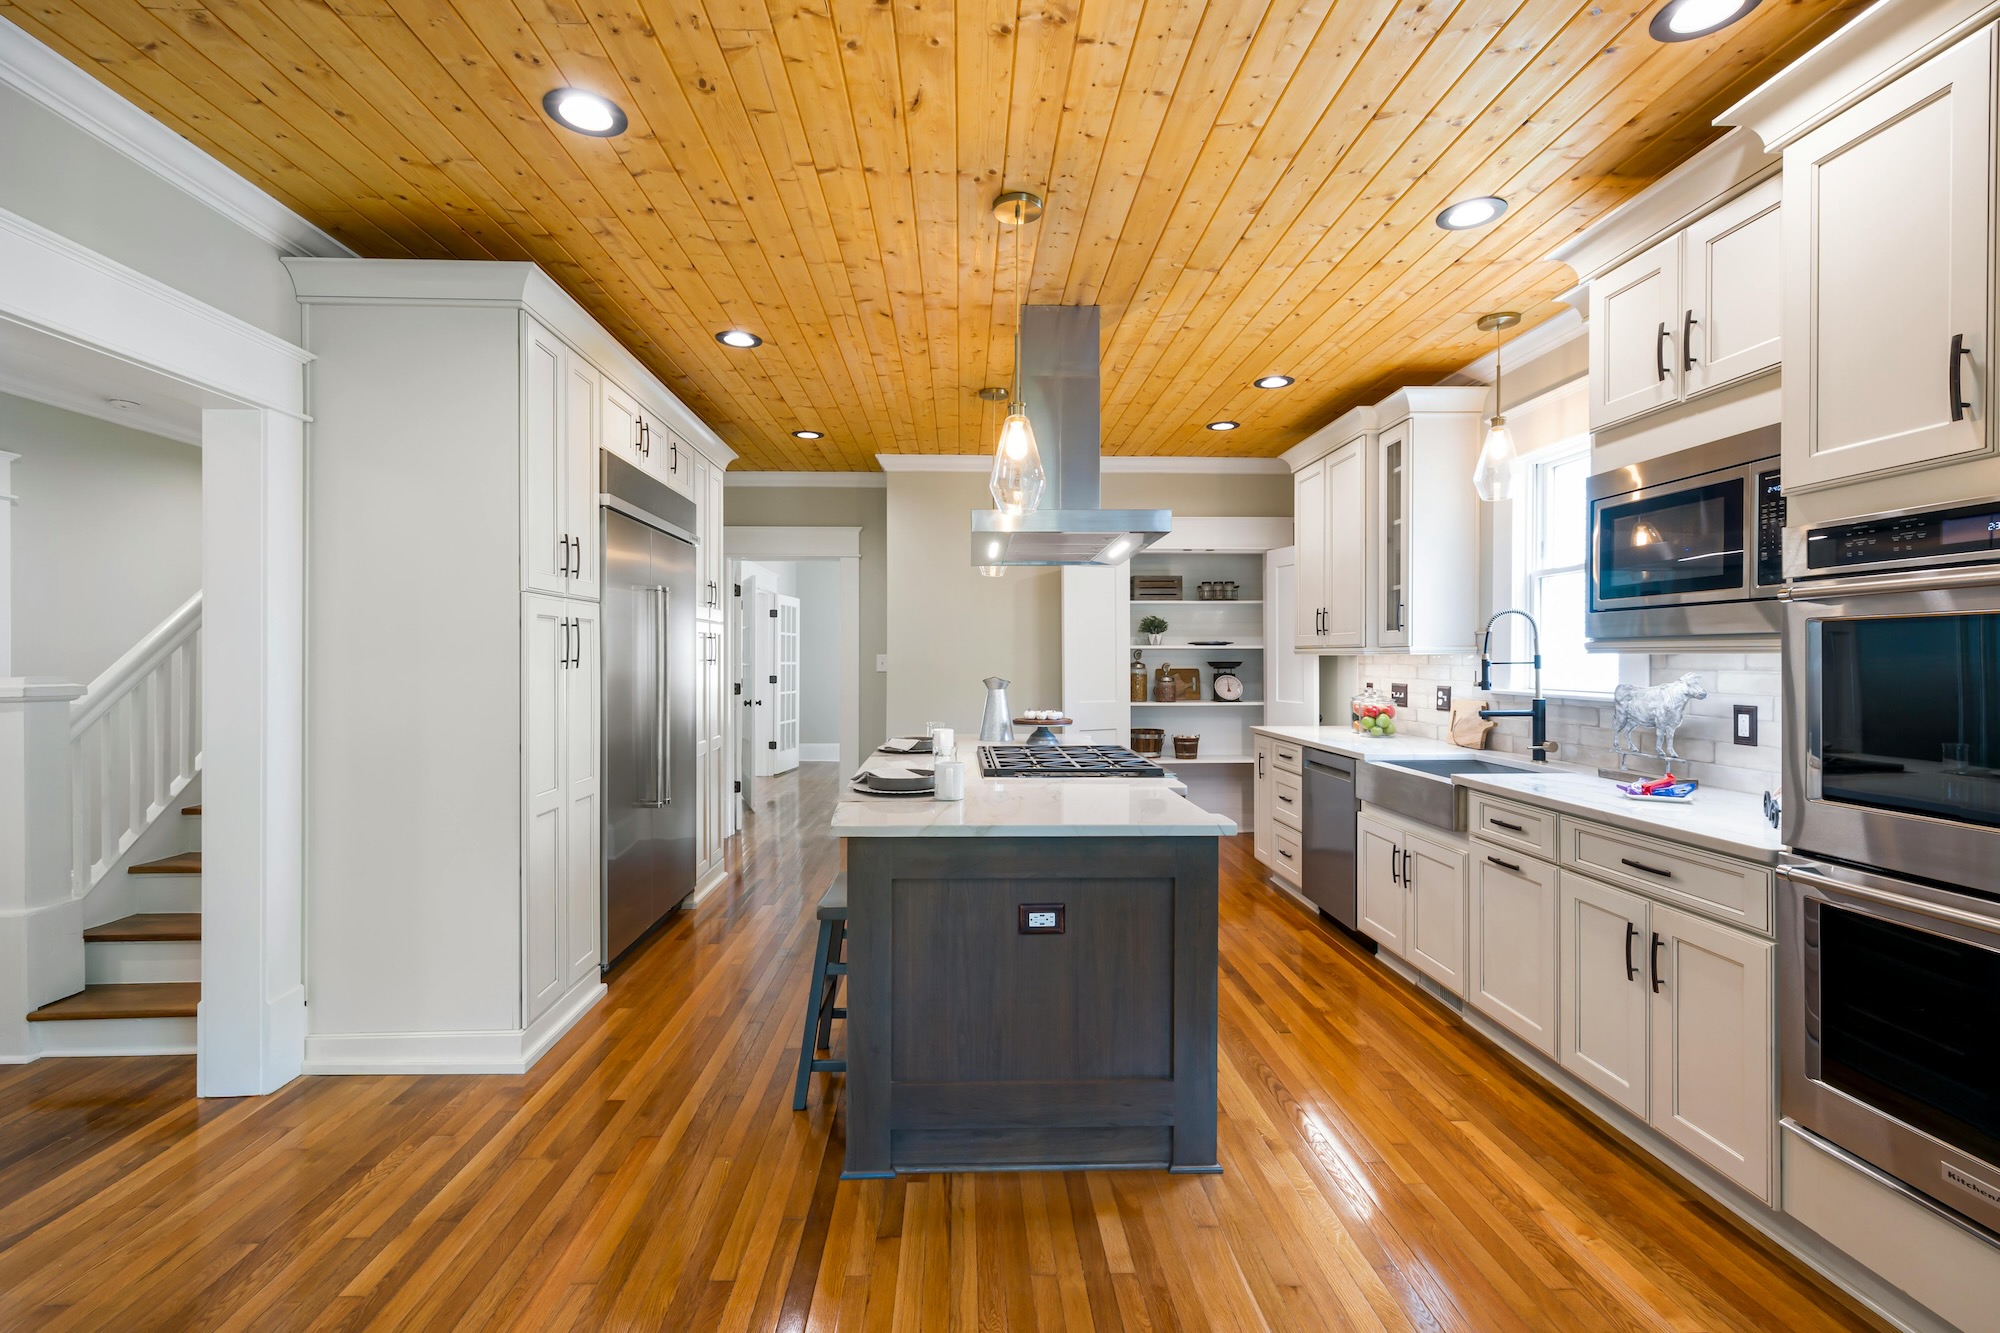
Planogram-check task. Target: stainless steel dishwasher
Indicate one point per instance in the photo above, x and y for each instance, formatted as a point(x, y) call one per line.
point(1329, 844)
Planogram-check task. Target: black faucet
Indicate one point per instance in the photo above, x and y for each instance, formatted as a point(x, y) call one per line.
point(1538, 709)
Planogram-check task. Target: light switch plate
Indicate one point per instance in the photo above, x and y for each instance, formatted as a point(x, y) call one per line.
point(1444, 699)
point(881, 661)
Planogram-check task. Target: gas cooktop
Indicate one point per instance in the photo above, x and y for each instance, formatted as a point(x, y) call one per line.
point(1065, 761)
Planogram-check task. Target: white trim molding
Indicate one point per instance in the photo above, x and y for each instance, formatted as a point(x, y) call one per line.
point(855, 480)
point(51, 284)
point(450, 1052)
point(44, 77)
point(1188, 464)
point(844, 545)
point(147, 419)
point(1724, 169)
point(1548, 336)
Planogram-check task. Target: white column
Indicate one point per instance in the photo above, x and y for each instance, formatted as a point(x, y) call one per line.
point(41, 925)
point(251, 1022)
point(7, 502)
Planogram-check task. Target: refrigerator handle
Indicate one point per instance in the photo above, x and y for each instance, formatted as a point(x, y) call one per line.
point(664, 769)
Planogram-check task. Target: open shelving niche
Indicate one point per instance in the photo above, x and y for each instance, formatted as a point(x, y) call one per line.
point(1224, 727)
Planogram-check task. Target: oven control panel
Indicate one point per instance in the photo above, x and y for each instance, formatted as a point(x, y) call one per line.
point(1944, 536)
point(1770, 530)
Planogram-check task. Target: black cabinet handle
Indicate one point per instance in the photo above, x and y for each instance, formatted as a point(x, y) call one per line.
point(1959, 351)
point(1631, 968)
point(1641, 865)
point(1395, 872)
point(1660, 350)
point(1501, 823)
point(676, 447)
point(1286, 799)
point(1658, 981)
point(1504, 865)
point(563, 542)
point(1282, 852)
point(576, 626)
point(1687, 341)
point(1260, 765)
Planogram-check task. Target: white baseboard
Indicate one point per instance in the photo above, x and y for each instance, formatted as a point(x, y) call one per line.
point(714, 879)
point(117, 1036)
point(509, 1052)
point(820, 752)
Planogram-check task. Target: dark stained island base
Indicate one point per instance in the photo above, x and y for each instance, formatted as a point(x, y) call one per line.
point(1031, 978)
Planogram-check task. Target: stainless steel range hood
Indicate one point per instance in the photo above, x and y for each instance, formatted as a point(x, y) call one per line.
point(1059, 383)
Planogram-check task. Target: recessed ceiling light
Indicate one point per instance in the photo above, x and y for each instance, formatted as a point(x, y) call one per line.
point(738, 338)
point(1273, 381)
point(123, 404)
point(1472, 213)
point(806, 435)
point(1685, 20)
point(586, 113)
point(1224, 425)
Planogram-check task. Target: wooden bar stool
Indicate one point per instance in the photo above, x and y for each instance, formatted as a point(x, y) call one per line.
point(829, 966)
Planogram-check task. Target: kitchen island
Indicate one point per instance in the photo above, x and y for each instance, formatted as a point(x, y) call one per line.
point(1031, 977)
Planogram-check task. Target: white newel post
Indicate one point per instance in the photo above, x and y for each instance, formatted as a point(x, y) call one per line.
point(251, 1021)
point(41, 924)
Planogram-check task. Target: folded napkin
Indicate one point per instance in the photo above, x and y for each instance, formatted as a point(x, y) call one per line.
point(907, 745)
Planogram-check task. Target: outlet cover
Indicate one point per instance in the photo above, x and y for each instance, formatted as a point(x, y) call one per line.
point(881, 661)
point(1444, 699)
point(1399, 695)
point(1744, 729)
point(1041, 918)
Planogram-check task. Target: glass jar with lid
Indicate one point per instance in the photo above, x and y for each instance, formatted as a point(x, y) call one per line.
point(1371, 712)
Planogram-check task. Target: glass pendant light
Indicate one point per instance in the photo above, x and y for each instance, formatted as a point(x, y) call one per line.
point(1018, 478)
point(1499, 466)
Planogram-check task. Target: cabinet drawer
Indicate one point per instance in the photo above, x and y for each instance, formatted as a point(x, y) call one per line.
point(1285, 755)
point(1728, 890)
point(1521, 827)
point(1287, 858)
point(1287, 801)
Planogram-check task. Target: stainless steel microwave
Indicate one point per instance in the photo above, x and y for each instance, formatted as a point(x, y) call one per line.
point(1689, 547)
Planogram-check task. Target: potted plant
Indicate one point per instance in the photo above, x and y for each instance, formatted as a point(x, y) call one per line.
point(1152, 627)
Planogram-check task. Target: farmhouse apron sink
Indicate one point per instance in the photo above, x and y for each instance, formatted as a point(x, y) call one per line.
point(1422, 789)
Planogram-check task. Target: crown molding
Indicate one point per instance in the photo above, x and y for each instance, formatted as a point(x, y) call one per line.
point(1726, 168)
point(1547, 336)
point(856, 480)
point(52, 82)
point(142, 419)
point(1122, 463)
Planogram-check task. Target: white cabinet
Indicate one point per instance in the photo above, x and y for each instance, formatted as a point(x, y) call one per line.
point(1291, 679)
point(1694, 311)
point(1382, 905)
point(1426, 531)
point(559, 392)
point(1097, 652)
point(559, 905)
point(1887, 253)
point(1731, 320)
point(621, 425)
point(1712, 1081)
point(1412, 896)
point(712, 797)
point(1513, 965)
point(1605, 998)
point(1262, 842)
point(1330, 517)
point(1392, 538)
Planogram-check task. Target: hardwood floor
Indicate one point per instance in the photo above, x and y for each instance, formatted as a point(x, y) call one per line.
point(1383, 1168)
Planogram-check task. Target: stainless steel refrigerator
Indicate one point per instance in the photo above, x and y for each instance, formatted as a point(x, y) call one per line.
point(648, 617)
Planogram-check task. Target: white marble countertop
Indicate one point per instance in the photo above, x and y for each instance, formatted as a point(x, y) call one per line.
point(1025, 807)
point(1730, 822)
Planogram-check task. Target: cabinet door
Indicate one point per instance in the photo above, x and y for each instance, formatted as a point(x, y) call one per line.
point(619, 424)
point(708, 554)
point(546, 555)
point(1604, 990)
point(579, 446)
point(1434, 875)
point(1309, 519)
point(1514, 946)
point(666, 458)
point(545, 679)
point(1733, 308)
point(1635, 314)
point(1888, 231)
point(1097, 650)
point(1260, 804)
point(1392, 537)
point(1712, 1073)
point(1344, 584)
point(1291, 679)
point(1383, 907)
point(582, 894)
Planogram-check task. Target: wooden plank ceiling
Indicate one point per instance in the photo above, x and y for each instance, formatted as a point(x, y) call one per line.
point(1245, 186)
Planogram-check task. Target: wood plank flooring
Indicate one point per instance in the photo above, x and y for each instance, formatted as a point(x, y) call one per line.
point(1384, 1168)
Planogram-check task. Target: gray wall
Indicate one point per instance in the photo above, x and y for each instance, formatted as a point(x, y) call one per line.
point(818, 584)
point(836, 507)
point(107, 536)
point(54, 174)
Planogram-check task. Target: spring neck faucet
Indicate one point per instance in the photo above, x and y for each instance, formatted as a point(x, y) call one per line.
point(1537, 710)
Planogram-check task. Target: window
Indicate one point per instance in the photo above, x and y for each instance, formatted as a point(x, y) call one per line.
point(1551, 541)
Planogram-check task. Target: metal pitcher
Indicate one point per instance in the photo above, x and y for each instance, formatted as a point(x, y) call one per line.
point(998, 723)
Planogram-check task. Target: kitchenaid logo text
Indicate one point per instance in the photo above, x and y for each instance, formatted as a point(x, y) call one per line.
point(1971, 1184)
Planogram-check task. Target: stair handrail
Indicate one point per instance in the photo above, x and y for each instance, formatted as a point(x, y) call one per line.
point(134, 744)
point(137, 662)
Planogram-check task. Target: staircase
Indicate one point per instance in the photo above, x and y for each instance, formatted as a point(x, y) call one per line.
point(142, 972)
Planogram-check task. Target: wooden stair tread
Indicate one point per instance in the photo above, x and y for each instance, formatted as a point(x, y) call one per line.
point(153, 999)
point(147, 927)
point(187, 863)
point(190, 809)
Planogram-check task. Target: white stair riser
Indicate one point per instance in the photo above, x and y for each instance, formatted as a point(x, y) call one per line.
point(162, 893)
point(124, 963)
point(117, 1036)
